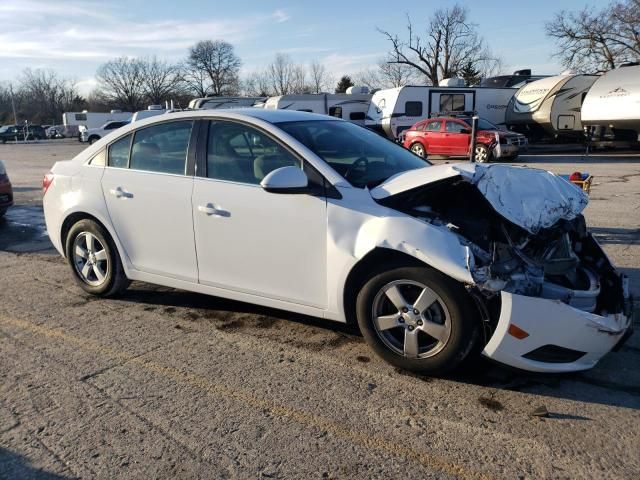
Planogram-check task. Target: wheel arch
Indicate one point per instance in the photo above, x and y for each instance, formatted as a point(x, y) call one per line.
point(361, 272)
point(74, 217)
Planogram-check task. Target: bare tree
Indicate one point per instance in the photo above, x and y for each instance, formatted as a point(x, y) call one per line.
point(320, 79)
point(221, 64)
point(47, 95)
point(281, 74)
point(160, 80)
point(388, 75)
point(120, 81)
point(597, 40)
point(449, 43)
point(257, 84)
point(299, 81)
point(195, 81)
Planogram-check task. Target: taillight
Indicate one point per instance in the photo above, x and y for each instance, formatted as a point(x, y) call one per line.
point(46, 182)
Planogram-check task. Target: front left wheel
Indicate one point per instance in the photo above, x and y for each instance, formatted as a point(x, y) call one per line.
point(418, 319)
point(94, 260)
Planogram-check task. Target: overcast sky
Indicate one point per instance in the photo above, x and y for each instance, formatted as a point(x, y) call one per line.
point(74, 37)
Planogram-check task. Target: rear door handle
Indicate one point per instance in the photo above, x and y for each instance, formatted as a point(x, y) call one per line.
point(120, 193)
point(210, 210)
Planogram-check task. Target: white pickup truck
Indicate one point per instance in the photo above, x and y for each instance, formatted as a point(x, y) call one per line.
point(92, 135)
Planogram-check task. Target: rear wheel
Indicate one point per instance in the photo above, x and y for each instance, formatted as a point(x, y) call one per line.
point(418, 149)
point(418, 319)
point(93, 140)
point(94, 260)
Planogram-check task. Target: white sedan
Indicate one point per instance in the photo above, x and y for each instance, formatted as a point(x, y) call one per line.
point(315, 215)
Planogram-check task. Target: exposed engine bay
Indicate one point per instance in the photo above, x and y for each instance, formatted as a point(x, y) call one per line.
point(559, 262)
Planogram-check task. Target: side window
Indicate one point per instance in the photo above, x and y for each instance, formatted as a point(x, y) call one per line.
point(162, 148)
point(240, 153)
point(81, 117)
point(413, 109)
point(420, 127)
point(433, 126)
point(119, 152)
point(110, 126)
point(335, 112)
point(452, 102)
point(454, 127)
point(356, 116)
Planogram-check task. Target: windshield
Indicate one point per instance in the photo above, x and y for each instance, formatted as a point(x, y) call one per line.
point(362, 157)
point(4, 129)
point(482, 124)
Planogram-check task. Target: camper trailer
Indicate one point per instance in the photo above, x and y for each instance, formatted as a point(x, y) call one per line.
point(612, 105)
point(211, 103)
point(394, 110)
point(351, 106)
point(93, 119)
point(550, 107)
point(517, 80)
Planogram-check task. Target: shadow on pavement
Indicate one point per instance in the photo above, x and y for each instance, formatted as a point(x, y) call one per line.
point(14, 465)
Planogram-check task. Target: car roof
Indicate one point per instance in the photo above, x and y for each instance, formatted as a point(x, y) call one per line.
point(267, 115)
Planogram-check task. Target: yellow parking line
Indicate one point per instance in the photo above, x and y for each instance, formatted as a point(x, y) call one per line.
point(308, 419)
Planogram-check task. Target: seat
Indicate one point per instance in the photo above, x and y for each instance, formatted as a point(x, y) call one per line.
point(265, 164)
point(146, 156)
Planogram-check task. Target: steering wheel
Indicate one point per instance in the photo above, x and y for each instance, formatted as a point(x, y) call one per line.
point(362, 161)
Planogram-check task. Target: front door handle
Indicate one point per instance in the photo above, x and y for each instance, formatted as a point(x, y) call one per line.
point(210, 210)
point(120, 193)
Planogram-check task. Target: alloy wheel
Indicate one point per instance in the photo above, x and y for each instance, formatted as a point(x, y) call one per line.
point(418, 149)
point(90, 259)
point(411, 319)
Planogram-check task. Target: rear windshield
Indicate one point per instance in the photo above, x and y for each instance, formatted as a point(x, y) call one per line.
point(362, 157)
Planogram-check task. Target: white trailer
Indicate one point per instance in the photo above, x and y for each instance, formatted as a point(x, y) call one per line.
point(613, 103)
point(211, 103)
point(349, 106)
point(550, 106)
point(72, 121)
point(151, 111)
point(394, 110)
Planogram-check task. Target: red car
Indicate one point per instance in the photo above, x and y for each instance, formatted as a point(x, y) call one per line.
point(6, 191)
point(451, 136)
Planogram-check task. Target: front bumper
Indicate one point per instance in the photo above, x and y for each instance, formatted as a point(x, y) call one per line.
point(572, 339)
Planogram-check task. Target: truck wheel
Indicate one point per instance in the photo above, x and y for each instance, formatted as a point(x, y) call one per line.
point(418, 319)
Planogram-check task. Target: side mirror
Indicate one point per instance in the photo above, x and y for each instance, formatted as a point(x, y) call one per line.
point(285, 180)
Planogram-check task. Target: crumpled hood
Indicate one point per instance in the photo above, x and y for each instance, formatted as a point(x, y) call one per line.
point(528, 197)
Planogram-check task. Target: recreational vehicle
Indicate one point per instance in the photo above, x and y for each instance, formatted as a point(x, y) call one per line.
point(72, 121)
point(211, 103)
point(351, 106)
point(394, 110)
point(517, 80)
point(550, 106)
point(613, 104)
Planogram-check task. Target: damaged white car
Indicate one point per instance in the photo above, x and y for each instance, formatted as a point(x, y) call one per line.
point(315, 215)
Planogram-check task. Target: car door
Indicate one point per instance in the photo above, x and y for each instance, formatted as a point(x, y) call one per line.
point(148, 197)
point(433, 136)
point(456, 137)
point(249, 240)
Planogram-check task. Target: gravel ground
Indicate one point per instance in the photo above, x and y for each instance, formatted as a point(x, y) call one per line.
point(162, 383)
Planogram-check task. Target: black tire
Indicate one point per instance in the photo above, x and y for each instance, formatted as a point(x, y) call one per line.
point(115, 281)
point(463, 318)
point(483, 155)
point(93, 140)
